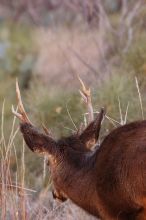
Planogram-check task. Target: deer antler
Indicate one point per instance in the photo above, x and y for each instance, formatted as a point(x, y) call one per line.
point(22, 115)
point(86, 96)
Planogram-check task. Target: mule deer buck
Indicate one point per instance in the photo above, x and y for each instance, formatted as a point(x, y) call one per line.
point(108, 182)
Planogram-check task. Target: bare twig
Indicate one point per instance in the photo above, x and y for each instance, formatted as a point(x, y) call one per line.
point(83, 61)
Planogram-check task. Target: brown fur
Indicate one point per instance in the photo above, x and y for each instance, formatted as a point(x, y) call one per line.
point(109, 182)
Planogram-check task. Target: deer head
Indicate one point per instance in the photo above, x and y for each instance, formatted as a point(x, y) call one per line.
point(69, 152)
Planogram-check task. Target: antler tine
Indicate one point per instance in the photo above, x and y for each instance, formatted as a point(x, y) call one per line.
point(22, 115)
point(85, 91)
point(18, 115)
point(86, 95)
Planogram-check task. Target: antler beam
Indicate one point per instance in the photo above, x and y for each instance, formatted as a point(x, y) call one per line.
point(22, 115)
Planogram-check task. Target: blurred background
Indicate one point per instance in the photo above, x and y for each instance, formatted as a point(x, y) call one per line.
point(46, 44)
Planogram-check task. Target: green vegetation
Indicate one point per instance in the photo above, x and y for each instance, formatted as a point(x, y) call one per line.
point(136, 57)
point(56, 107)
point(62, 110)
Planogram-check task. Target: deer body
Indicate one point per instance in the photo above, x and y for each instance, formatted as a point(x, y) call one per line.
point(121, 170)
point(109, 182)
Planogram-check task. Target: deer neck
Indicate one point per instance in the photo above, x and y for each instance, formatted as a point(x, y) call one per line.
point(77, 181)
point(71, 173)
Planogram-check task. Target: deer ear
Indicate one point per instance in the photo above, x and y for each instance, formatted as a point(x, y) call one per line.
point(91, 134)
point(37, 141)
